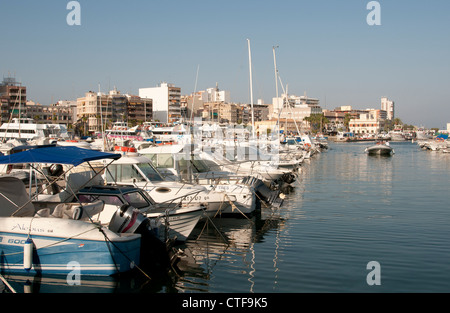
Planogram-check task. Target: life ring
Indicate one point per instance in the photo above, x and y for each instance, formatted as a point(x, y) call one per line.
point(439, 139)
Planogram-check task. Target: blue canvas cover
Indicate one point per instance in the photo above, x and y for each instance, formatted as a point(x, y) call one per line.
point(57, 155)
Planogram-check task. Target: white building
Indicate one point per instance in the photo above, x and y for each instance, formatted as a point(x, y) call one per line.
point(299, 107)
point(166, 102)
point(295, 102)
point(371, 122)
point(388, 106)
point(216, 95)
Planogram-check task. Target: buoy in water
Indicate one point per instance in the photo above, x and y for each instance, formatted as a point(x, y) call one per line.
point(28, 254)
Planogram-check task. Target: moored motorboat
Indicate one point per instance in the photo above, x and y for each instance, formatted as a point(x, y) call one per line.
point(179, 221)
point(136, 170)
point(63, 238)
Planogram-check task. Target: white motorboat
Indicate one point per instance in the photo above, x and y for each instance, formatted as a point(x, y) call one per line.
point(179, 164)
point(137, 170)
point(28, 129)
point(380, 148)
point(63, 237)
point(179, 220)
point(397, 134)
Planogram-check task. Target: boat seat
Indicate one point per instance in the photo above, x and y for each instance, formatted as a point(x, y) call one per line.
point(78, 211)
point(42, 213)
point(14, 198)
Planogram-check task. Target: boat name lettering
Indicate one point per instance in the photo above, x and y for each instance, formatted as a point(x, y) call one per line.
point(23, 227)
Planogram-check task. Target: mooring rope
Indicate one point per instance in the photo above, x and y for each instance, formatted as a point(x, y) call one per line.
point(3, 279)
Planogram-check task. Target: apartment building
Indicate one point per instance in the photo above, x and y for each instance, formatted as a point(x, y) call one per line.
point(166, 102)
point(294, 107)
point(216, 95)
point(14, 98)
point(57, 113)
point(97, 109)
point(388, 106)
point(139, 109)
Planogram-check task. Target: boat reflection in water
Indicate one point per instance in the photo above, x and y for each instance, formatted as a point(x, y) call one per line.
point(213, 244)
point(228, 241)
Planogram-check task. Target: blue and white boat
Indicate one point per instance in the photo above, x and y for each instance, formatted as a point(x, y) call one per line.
point(64, 239)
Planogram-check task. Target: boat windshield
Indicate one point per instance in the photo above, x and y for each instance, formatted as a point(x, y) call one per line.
point(135, 199)
point(198, 165)
point(150, 172)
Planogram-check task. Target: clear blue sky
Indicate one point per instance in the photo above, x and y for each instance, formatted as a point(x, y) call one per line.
point(326, 49)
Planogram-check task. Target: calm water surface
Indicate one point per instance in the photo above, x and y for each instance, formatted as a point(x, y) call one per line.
point(346, 210)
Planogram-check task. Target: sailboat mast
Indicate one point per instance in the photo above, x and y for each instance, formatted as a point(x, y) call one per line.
point(251, 87)
point(276, 90)
point(276, 71)
point(20, 107)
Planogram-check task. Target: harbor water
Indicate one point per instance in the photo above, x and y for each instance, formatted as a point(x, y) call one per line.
point(353, 223)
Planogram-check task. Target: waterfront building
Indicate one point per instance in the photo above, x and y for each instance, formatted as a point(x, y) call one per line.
point(369, 122)
point(286, 126)
point(97, 109)
point(139, 109)
point(210, 104)
point(388, 106)
point(235, 113)
point(72, 105)
point(334, 117)
point(192, 103)
point(14, 98)
point(166, 102)
point(4, 109)
point(56, 113)
point(294, 107)
point(216, 95)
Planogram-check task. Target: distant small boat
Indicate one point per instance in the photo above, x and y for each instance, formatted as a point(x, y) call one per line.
point(380, 148)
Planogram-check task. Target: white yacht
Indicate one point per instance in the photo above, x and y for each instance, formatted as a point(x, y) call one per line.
point(397, 134)
point(28, 129)
point(162, 134)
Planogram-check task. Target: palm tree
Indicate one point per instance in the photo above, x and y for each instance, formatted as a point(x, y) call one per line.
point(317, 122)
point(347, 119)
point(398, 121)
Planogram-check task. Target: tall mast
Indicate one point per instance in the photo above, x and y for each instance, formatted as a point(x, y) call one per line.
point(251, 87)
point(20, 107)
point(276, 90)
point(276, 71)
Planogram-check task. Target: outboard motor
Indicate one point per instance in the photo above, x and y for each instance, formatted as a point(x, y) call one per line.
point(128, 219)
point(288, 178)
point(264, 193)
point(54, 171)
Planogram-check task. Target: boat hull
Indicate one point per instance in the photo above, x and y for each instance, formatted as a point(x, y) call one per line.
point(379, 150)
point(82, 248)
point(180, 222)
